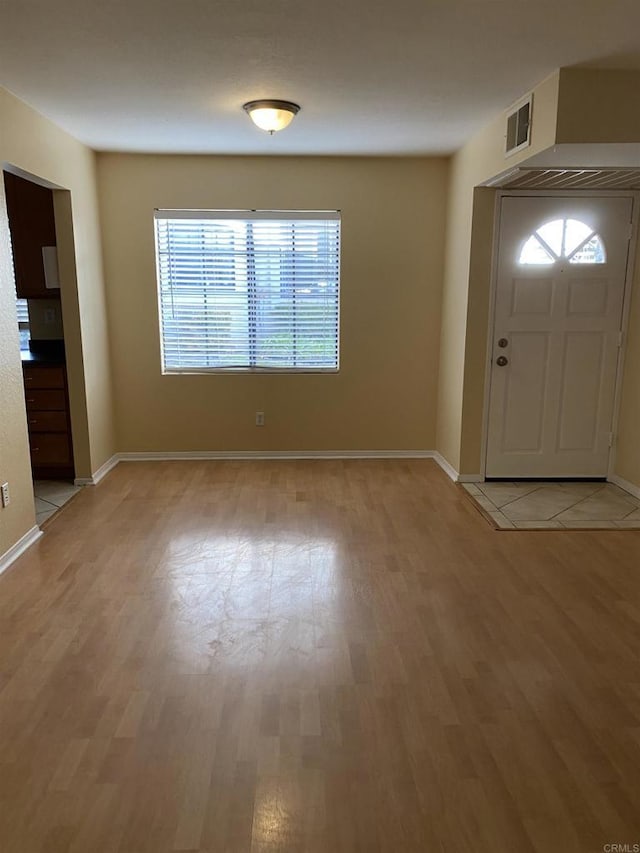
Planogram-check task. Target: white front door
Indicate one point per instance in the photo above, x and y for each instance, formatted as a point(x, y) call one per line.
point(557, 334)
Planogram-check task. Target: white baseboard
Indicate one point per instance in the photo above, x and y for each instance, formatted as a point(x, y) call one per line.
point(19, 548)
point(448, 468)
point(102, 472)
point(152, 455)
point(177, 455)
point(625, 484)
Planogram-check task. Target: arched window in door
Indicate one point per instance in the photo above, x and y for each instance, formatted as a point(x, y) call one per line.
point(568, 239)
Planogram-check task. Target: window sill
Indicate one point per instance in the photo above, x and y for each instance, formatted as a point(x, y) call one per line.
point(250, 371)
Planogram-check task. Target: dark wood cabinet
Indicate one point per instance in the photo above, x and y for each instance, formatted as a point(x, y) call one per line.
point(48, 420)
point(32, 226)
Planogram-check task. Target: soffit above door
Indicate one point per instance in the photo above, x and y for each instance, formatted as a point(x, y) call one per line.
point(573, 179)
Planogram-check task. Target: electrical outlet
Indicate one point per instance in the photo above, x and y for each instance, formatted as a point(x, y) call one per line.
point(49, 316)
point(259, 418)
point(6, 500)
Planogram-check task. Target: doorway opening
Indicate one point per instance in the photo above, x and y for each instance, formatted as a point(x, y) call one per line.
point(38, 285)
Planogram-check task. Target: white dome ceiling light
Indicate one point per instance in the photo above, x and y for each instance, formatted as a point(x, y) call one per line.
point(271, 115)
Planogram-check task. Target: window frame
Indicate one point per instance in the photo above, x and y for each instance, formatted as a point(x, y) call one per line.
point(564, 256)
point(285, 215)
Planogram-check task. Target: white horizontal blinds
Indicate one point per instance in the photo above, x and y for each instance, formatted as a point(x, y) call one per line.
point(202, 269)
point(23, 311)
point(259, 290)
point(295, 265)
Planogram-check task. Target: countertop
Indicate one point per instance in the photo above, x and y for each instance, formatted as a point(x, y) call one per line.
point(40, 358)
point(49, 352)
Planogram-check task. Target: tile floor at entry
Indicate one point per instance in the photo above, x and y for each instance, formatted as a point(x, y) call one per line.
point(50, 495)
point(556, 505)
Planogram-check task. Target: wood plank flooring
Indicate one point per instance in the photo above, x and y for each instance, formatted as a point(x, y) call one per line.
point(253, 657)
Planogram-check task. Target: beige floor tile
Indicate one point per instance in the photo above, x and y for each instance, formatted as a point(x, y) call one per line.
point(579, 488)
point(501, 520)
point(616, 490)
point(57, 492)
point(485, 503)
point(634, 516)
point(504, 493)
point(43, 516)
point(556, 505)
point(611, 488)
point(60, 499)
point(471, 488)
point(44, 506)
point(541, 505)
point(605, 504)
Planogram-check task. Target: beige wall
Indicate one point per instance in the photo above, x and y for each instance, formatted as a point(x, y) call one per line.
point(462, 360)
point(384, 396)
point(598, 106)
point(18, 517)
point(36, 146)
point(559, 117)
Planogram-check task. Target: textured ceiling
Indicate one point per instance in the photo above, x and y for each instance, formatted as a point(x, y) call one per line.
point(372, 76)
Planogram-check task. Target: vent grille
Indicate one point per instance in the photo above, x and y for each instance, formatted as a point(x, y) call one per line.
point(519, 127)
point(577, 179)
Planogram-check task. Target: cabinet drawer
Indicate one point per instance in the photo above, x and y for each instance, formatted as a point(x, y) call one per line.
point(50, 449)
point(52, 400)
point(47, 422)
point(43, 377)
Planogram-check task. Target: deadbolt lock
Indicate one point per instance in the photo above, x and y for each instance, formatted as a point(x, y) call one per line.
point(503, 342)
point(501, 360)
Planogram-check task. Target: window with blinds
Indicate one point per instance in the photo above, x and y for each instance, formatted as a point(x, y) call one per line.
point(23, 313)
point(248, 290)
point(22, 308)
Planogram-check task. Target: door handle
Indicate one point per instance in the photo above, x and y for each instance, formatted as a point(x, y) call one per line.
point(501, 360)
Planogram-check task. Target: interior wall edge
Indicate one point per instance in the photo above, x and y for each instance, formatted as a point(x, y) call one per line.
point(38, 147)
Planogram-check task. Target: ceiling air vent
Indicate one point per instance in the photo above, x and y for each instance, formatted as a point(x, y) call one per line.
point(519, 126)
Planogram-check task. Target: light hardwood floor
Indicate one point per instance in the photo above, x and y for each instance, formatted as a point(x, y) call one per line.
point(315, 656)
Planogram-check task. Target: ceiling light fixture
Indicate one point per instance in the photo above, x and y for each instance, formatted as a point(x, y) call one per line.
point(271, 115)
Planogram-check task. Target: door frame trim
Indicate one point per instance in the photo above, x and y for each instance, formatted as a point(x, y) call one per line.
point(626, 303)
